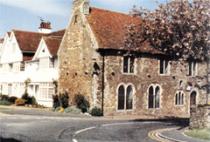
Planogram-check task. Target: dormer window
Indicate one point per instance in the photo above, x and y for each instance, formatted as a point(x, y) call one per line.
point(192, 70)
point(128, 64)
point(164, 66)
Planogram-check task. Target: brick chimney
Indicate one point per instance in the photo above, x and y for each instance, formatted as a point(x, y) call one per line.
point(82, 5)
point(45, 27)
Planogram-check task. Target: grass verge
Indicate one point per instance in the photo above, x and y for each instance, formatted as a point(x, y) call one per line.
point(199, 133)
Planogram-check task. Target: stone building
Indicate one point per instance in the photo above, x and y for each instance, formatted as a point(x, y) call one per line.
point(94, 62)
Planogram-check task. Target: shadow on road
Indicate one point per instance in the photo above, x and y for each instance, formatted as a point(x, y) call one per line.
point(172, 121)
point(8, 140)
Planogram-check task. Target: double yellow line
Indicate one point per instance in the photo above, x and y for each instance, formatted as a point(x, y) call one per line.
point(155, 135)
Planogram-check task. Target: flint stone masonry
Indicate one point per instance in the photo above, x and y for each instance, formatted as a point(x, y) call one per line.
point(87, 68)
point(200, 117)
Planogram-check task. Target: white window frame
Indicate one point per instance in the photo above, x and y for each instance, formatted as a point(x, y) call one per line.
point(128, 72)
point(179, 100)
point(192, 70)
point(154, 86)
point(166, 71)
point(125, 97)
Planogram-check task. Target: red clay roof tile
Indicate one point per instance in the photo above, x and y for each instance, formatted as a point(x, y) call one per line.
point(28, 41)
point(1, 40)
point(110, 29)
point(53, 44)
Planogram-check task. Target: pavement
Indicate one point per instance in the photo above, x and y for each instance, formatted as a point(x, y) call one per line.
point(19, 124)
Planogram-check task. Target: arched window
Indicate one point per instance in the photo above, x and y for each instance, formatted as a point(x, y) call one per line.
point(129, 97)
point(157, 97)
point(154, 97)
point(151, 97)
point(193, 98)
point(179, 98)
point(125, 97)
point(121, 97)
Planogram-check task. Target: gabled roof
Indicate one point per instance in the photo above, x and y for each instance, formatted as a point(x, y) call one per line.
point(110, 29)
point(53, 44)
point(1, 40)
point(53, 41)
point(8, 33)
point(28, 41)
point(57, 33)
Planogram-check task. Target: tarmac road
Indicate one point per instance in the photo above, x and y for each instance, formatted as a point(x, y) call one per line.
point(38, 128)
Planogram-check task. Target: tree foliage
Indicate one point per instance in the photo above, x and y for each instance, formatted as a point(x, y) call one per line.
point(179, 28)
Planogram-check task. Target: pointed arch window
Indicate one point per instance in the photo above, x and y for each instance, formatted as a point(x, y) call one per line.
point(179, 100)
point(129, 97)
point(125, 97)
point(154, 97)
point(121, 97)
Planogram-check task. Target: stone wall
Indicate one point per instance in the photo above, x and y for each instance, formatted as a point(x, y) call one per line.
point(146, 74)
point(77, 61)
point(84, 70)
point(200, 117)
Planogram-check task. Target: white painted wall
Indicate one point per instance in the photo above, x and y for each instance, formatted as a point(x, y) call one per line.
point(11, 51)
point(38, 70)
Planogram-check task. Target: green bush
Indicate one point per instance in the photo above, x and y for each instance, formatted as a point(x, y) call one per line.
point(12, 99)
point(4, 97)
point(32, 100)
point(29, 100)
point(64, 100)
point(82, 103)
point(61, 100)
point(72, 109)
point(20, 102)
point(5, 102)
point(56, 102)
point(26, 97)
point(96, 112)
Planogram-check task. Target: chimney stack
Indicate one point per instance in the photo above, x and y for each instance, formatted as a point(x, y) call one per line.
point(45, 27)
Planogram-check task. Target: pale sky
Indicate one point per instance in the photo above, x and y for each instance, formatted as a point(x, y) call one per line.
point(24, 14)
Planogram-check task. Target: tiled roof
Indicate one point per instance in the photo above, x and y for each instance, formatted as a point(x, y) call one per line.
point(9, 33)
point(1, 40)
point(28, 41)
point(53, 44)
point(57, 33)
point(110, 29)
point(53, 41)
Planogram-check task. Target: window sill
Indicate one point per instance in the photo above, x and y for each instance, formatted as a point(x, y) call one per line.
point(164, 74)
point(179, 105)
point(125, 110)
point(154, 108)
point(128, 73)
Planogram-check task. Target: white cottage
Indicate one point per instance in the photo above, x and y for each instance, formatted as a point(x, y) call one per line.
point(30, 55)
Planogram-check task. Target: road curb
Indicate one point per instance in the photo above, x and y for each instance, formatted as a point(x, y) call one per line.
point(158, 136)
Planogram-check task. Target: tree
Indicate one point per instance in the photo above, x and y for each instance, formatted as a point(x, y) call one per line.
point(179, 28)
